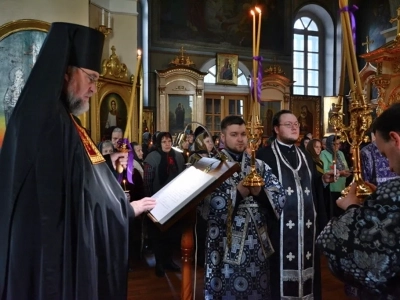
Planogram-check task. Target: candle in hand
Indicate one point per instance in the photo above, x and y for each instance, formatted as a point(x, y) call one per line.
point(124, 182)
point(335, 177)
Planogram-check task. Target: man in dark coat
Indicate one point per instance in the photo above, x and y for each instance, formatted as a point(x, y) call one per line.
point(63, 215)
point(363, 244)
point(295, 265)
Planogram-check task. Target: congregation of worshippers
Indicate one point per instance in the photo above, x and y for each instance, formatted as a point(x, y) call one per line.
point(303, 103)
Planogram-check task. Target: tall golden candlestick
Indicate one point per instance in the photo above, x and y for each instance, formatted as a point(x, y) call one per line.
point(254, 128)
point(360, 111)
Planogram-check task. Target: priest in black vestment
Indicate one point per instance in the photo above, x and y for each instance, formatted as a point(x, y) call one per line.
point(295, 266)
point(63, 215)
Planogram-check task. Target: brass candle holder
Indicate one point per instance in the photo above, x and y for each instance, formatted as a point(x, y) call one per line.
point(360, 121)
point(104, 30)
point(254, 132)
point(360, 111)
point(254, 127)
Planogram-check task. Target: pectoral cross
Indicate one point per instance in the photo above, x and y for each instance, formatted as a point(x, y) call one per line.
point(367, 43)
point(397, 19)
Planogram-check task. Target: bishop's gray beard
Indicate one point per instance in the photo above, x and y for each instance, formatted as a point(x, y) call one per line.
point(76, 105)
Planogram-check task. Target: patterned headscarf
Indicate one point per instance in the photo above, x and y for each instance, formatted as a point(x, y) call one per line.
point(330, 148)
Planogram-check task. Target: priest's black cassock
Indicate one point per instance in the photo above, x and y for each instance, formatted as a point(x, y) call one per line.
point(295, 265)
point(63, 215)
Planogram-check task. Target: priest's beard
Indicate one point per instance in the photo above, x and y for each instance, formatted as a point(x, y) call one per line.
point(287, 141)
point(76, 105)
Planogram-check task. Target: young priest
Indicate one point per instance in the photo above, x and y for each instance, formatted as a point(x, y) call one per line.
point(237, 235)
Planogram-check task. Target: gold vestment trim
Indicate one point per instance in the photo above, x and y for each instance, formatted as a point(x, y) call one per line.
point(94, 154)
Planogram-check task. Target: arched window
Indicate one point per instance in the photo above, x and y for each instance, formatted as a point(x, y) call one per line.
point(317, 48)
point(306, 57)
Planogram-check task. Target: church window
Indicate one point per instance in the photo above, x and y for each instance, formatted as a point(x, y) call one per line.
point(221, 100)
point(306, 57)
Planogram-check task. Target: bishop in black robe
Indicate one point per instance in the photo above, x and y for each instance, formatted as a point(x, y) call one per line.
point(63, 215)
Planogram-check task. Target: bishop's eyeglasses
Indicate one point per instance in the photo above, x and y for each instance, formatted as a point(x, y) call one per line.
point(93, 79)
point(290, 125)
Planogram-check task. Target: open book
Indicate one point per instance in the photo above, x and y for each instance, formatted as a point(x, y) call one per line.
point(194, 183)
point(185, 187)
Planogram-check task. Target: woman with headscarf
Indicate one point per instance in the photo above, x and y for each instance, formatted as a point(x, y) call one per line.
point(136, 188)
point(327, 157)
point(160, 167)
point(303, 143)
point(314, 147)
point(137, 229)
point(203, 146)
point(106, 147)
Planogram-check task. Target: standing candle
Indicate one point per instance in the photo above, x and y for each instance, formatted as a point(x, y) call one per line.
point(254, 70)
point(258, 32)
point(102, 16)
point(109, 20)
point(334, 155)
point(133, 94)
point(258, 54)
point(254, 32)
point(254, 54)
point(334, 170)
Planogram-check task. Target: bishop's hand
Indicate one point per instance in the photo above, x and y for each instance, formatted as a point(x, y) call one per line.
point(143, 205)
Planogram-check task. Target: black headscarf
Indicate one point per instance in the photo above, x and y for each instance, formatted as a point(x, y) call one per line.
point(135, 155)
point(103, 143)
point(168, 167)
point(302, 146)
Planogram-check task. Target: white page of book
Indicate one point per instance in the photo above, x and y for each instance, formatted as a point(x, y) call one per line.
point(185, 187)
